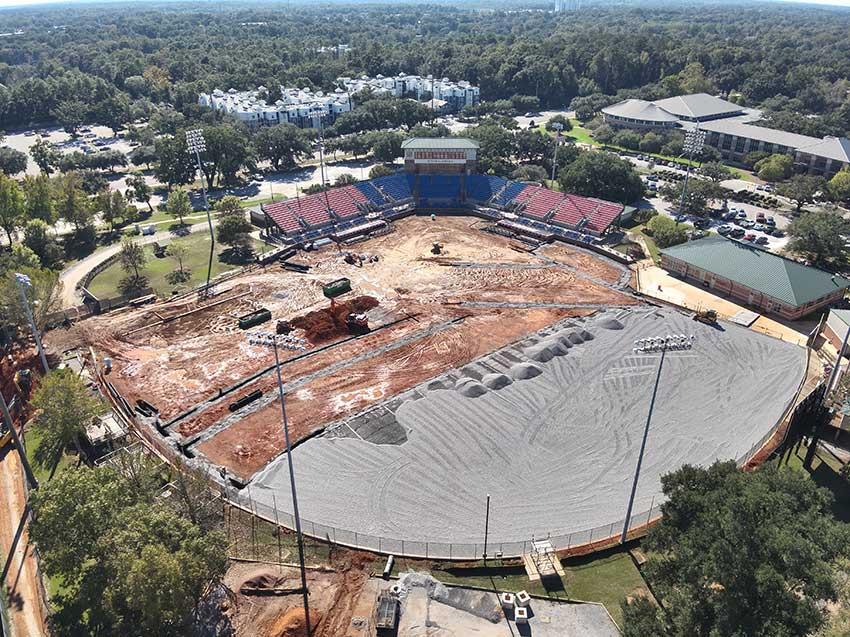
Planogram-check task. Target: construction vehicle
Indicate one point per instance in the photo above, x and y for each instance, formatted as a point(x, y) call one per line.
point(357, 323)
point(709, 317)
point(437, 248)
point(353, 259)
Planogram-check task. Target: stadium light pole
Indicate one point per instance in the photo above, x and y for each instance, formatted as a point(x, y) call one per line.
point(197, 144)
point(650, 346)
point(274, 340)
point(7, 419)
point(558, 126)
point(694, 141)
point(24, 283)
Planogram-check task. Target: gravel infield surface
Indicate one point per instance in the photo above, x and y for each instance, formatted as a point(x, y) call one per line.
point(550, 427)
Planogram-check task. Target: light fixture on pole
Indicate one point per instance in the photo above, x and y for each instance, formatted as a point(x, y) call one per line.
point(694, 141)
point(197, 144)
point(22, 454)
point(24, 283)
point(652, 345)
point(557, 126)
point(287, 341)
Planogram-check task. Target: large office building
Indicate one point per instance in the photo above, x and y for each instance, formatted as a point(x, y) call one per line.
point(306, 108)
point(757, 278)
point(731, 129)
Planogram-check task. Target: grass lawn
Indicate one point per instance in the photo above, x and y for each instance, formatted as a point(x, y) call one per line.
point(650, 242)
point(105, 284)
point(606, 578)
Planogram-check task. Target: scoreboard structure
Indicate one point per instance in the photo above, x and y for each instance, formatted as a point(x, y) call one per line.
point(440, 156)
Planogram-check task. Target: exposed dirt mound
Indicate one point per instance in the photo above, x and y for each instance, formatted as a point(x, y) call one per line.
point(292, 623)
point(329, 323)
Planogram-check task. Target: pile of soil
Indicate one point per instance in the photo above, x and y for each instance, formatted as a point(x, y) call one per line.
point(329, 323)
point(292, 623)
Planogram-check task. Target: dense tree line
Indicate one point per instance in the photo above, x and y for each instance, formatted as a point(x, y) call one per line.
point(110, 64)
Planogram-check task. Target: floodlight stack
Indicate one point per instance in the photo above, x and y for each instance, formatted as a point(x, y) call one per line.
point(694, 141)
point(197, 145)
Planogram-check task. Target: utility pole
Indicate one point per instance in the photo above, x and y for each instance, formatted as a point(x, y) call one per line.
point(486, 526)
point(694, 141)
point(648, 346)
point(197, 144)
point(558, 126)
point(7, 419)
point(270, 339)
point(23, 282)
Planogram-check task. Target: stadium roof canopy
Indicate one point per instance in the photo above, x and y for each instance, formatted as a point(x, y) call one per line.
point(783, 279)
point(448, 143)
point(639, 109)
point(698, 106)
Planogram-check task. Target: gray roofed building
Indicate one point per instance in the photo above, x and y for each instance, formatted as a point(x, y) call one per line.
point(698, 107)
point(834, 148)
point(759, 133)
point(638, 112)
point(756, 277)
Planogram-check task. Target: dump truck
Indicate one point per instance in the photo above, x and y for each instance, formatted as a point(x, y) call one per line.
point(709, 317)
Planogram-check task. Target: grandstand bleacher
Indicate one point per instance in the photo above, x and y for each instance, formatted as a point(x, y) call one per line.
point(482, 188)
point(396, 187)
point(572, 217)
point(372, 194)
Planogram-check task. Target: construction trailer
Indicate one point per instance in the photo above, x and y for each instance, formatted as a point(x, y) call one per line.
point(386, 613)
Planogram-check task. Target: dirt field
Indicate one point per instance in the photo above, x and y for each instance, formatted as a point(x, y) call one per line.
point(429, 312)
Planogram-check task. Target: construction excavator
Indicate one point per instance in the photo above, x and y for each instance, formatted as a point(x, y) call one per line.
point(707, 316)
point(437, 248)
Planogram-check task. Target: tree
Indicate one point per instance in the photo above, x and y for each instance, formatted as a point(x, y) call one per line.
point(37, 238)
point(12, 161)
point(66, 408)
point(132, 258)
point(44, 295)
point(533, 145)
point(234, 229)
point(754, 157)
point(802, 189)
point(228, 150)
point(386, 147)
point(698, 196)
point(114, 112)
point(132, 564)
point(11, 206)
point(819, 236)
point(650, 143)
point(176, 166)
point(627, 139)
point(112, 206)
point(596, 174)
point(178, 204)
point(139, 190)
point(39, 199)
point(283, 145)
point(563, 120)
point(715, 171)
point(839, 185)
point(530, 172)
point(345, 179)
point(178, 250)
point(740, 553)
point(774, 168)
point(381, 170)
point(666, 232)
point(70, 114)
point(604, 134)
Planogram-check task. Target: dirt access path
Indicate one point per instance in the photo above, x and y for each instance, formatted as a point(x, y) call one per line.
point(21, 580)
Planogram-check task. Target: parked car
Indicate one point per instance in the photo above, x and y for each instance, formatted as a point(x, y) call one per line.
point(702, 223)
point(749, 237)
point(736, 233)
point(770, 221)
point(762, 240)
point(724, 229)
point(760, 227)
point(742, 214)
point(777, 232)
point(748, 223)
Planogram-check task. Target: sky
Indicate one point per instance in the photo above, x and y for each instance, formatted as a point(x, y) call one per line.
point(19, 3)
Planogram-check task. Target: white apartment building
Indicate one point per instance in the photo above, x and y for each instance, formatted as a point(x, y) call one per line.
point(314, 109)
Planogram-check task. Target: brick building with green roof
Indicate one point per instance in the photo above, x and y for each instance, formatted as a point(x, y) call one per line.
point(757, 278)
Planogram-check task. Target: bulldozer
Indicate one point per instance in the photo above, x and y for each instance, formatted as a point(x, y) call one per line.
point(707, 316)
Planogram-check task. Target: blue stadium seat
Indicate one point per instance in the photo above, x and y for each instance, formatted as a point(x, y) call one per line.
point(440, 191)
point(371, 193)
point(482, 187)
point(396, 186)
point(511, 192)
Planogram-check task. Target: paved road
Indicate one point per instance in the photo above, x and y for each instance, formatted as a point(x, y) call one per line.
point(73, 274)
